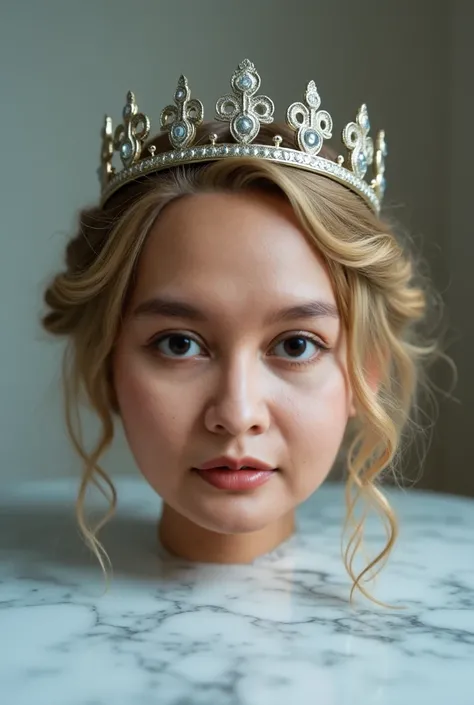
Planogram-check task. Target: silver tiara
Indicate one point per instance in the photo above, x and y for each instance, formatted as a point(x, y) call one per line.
point(245, 111)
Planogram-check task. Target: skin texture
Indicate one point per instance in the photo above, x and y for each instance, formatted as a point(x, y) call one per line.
point(227, 384)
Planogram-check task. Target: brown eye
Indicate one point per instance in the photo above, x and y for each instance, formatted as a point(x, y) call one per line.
point(301, 349)
point(176, 344)
point(295, 346)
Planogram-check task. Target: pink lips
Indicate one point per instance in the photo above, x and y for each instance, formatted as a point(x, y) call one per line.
point(228, 473)
point(235, 463)
point(235, 479)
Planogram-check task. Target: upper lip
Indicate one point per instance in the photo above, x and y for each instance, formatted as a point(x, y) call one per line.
point(235, 463)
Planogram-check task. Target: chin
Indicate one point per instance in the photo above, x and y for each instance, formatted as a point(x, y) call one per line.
point(236, 517)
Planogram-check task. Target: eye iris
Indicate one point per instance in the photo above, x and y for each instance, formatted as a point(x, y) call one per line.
point(295, 347)
point(180, 347)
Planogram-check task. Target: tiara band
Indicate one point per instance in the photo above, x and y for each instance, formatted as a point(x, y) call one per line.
point(245, 112)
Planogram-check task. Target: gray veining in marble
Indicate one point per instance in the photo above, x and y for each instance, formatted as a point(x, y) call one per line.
point(277, 632)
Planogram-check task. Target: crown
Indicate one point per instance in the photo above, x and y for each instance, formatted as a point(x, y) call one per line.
point(245, 111)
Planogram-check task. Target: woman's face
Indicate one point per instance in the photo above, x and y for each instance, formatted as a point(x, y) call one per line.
point(234, 376)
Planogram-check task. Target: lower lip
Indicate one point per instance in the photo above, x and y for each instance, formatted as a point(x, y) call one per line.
point(235, 479)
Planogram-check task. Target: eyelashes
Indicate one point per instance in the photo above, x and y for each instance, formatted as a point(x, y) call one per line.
point(176, 341)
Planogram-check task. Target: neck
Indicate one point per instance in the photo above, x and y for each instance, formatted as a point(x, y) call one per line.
point(185, 539)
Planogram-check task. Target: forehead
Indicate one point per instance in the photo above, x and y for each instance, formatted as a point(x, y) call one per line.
point(231, 245)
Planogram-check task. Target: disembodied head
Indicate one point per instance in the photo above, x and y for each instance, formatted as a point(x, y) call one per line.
point(245, 309)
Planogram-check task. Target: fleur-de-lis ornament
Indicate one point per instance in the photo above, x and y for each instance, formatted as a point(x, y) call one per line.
point(312, 126)
point(243, 109)
point(130, 136)
point(106, 170)
point(180, 120)
point(361, 147)
point(378, 183)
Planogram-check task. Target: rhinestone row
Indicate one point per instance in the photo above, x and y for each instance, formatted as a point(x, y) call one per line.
point(282, 155)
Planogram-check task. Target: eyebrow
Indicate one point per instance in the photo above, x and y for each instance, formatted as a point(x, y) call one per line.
point(173, 308)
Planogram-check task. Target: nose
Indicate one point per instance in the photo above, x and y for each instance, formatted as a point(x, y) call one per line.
point(237, 405)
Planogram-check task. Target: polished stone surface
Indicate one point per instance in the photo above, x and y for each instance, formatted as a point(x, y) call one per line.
point(278, 632)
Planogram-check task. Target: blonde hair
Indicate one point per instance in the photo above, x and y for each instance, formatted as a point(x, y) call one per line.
point(379, 301)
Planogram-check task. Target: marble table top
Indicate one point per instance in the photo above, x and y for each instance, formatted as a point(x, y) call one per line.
point(280, 631)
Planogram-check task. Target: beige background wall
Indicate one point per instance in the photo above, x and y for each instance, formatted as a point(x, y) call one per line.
point(65, 63)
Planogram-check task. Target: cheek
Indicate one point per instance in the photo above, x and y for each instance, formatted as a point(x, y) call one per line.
point(316, 421)
point(154, 417)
